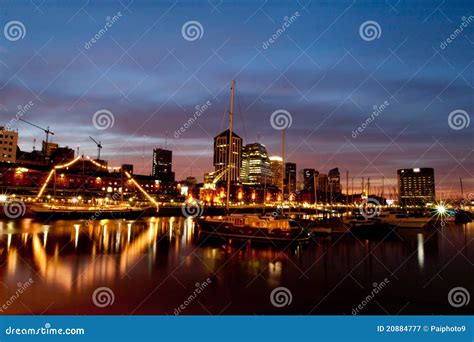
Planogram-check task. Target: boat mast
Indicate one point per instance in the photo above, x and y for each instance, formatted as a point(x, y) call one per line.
point(283, 168)
point(347, 188)
point(229, 152)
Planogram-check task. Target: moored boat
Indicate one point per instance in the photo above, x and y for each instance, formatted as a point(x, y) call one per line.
point(462, 216)
point(250, 227)
point(404, 220)
point(364, 226)
point(46, 211)
point(253, 227)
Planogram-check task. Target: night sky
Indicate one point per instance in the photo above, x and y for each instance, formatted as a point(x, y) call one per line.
point(320, 69)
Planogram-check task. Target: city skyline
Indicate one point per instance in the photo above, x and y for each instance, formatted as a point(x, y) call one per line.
point(256, 161)
point(328, 80)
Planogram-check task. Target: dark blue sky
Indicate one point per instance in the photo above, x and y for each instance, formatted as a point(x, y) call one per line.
point(319, 69)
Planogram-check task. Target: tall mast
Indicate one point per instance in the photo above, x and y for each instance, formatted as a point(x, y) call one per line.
point(383, 188)
point(347, 187)
point(315, 191)
point(229, 152)
point(283, 166)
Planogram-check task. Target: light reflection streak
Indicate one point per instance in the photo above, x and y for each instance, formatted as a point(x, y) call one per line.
point(53, 271)
point(76, 235)
point(133, 251)
point(12, 261)
point(25, 238)
point(421, 250)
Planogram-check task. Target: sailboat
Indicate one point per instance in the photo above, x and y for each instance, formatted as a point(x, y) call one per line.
point(249, 227)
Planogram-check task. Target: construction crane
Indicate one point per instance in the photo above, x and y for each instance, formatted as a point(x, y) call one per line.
point(99, 146)
point(46, 130)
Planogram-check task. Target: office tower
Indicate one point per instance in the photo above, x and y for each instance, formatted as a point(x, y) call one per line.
point(221, 156)
point(416, 186)
point(322, 187)
point(334, 181)
point(8, 143)
point(310, 179)
point(162, 164)
point(290, 178)
point(255, 165)
point(276, 165)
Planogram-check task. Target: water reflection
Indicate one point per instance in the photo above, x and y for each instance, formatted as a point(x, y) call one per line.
point(421, 250)
point(153, 263)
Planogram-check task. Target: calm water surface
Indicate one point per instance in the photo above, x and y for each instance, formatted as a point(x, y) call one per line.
point(152, 266)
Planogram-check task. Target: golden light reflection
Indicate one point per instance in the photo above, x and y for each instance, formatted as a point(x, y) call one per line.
point(188, 231)
point(274, 272)
point(134, 250)
point(12, 261)
point(76, 235)
point(421, 250)
point(24, 238)
point(101, 268)
point(105, 240)
point(53, 271)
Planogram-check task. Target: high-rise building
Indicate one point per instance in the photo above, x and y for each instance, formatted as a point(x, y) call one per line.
point(322, 187)
point(221, 156)
point(255, 165)
point(416, 186)
point(162, 163)
point(276, 166)
point(310, 178)
point(290, 178)
point(334, 180)
point(8, 143)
